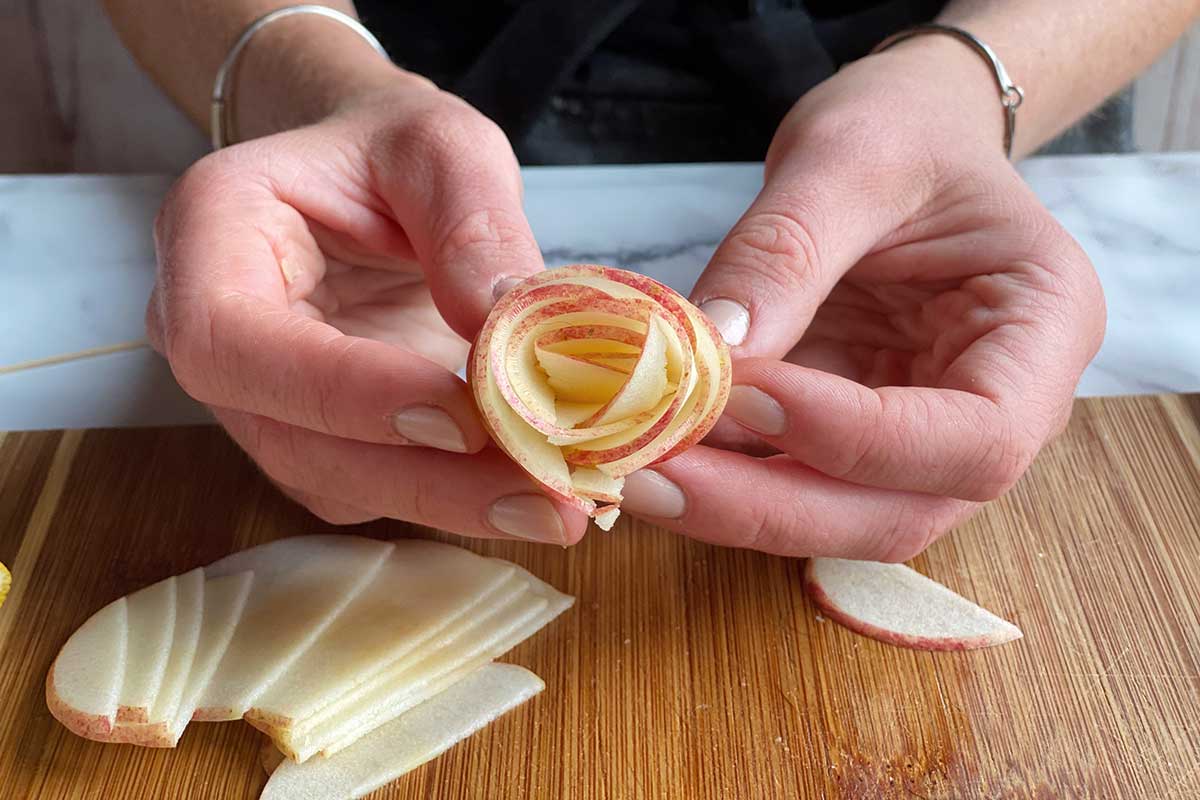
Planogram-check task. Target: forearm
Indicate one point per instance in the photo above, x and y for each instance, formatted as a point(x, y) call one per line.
point(1069, 55)
point(293, 72)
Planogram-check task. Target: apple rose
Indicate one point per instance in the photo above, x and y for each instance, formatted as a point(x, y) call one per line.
point(584, 374)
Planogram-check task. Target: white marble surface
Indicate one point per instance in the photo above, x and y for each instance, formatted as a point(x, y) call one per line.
point(76, 264)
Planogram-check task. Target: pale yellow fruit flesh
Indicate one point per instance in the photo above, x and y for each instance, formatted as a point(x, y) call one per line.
point(225, 599)
point(90, 668)
point(283, 615)
point(440, 584)
point(151, 614)
point(5, 583)
point(408, 741)
point(189, 616)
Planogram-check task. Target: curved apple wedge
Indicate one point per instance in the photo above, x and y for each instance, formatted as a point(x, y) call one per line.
point(83, 688)
point(411, 739)
point(898, 605)
point(584, 374)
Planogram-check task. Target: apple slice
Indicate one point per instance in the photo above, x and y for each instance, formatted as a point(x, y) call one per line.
point(598, 368)
point(301, 585)
point(225, 599)
point(578, 380)
point(411, 739)
point(421, 588)
point(5, 583)
point(83, 688)
point(476, 641)
point(151, 615)
point(156, 731)
point(898, 605)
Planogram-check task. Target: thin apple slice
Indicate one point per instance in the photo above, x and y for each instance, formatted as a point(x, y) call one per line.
point(301, 585)
point(151, 613)
point(421, 588)
point(645, 387)
point(83, 688)
point(189, 617)
point(157, 731)
point(411, 739)
point(486, 637)
point(577, 380)
point(5, 583)
point(898, 605)
point(224, 603)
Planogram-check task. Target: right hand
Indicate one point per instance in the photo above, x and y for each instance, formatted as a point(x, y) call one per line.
point(316, 288)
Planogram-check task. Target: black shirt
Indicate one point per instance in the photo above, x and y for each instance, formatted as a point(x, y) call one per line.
point(615, 81)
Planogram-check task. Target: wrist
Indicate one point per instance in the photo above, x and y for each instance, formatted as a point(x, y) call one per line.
point(950, 88)
point(300, 70)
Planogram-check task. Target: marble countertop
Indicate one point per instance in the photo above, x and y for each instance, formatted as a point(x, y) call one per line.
point(77, 263)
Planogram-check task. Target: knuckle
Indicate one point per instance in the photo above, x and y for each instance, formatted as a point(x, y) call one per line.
point(777, 247)
point(1003, 464)
point(444, 131)
point(484, 234)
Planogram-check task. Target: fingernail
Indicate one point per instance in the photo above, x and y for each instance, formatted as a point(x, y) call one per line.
point(528, 516)
point(757, 410)
point(731, 318)
point(431, 427)
point(650, 493)
point(504, 286)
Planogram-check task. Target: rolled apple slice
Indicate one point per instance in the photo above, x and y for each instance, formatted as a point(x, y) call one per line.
point(898, 605)
point(301, 585)
point(585, 374)
point(421, 588)
point(83, 688)
point(5, 583)
point(151, 615)
point(411, 739)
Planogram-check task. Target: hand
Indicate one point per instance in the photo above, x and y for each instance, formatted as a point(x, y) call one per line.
point(935, 318)
point(315, 288)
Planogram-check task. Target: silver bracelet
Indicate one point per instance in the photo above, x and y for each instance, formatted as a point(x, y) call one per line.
point(220, 121)
point(1011, 95)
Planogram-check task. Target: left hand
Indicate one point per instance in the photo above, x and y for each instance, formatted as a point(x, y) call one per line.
point(935, 316)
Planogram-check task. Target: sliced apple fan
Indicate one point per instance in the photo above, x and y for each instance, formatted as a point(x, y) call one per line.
point(585, 374)
point(333, 645)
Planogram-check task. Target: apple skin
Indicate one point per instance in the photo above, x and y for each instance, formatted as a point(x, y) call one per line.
point(948, 644)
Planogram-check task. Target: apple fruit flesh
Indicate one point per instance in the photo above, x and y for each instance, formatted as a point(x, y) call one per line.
point(408, 741)
point(898, 605)
point(441, 583)
point(492, 636)
point(83, 688)
point(596, 372)
point(151, 615)
point(284, 615)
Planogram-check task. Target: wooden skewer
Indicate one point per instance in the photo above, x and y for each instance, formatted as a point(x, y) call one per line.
point(80, 355)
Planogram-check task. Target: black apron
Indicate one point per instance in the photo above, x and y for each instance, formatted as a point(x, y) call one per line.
point(638, 81)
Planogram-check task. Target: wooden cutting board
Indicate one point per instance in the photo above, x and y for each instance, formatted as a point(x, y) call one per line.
point(684, 670)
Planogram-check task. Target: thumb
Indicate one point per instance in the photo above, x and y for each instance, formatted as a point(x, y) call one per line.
point(808, 226)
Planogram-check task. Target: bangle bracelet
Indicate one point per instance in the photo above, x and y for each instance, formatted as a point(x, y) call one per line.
point(219, 120)
point(1011, 95)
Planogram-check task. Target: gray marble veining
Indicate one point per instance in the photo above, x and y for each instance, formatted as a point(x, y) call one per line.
point(76, 264)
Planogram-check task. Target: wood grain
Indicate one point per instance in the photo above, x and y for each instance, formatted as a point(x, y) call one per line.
point(685, 670)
